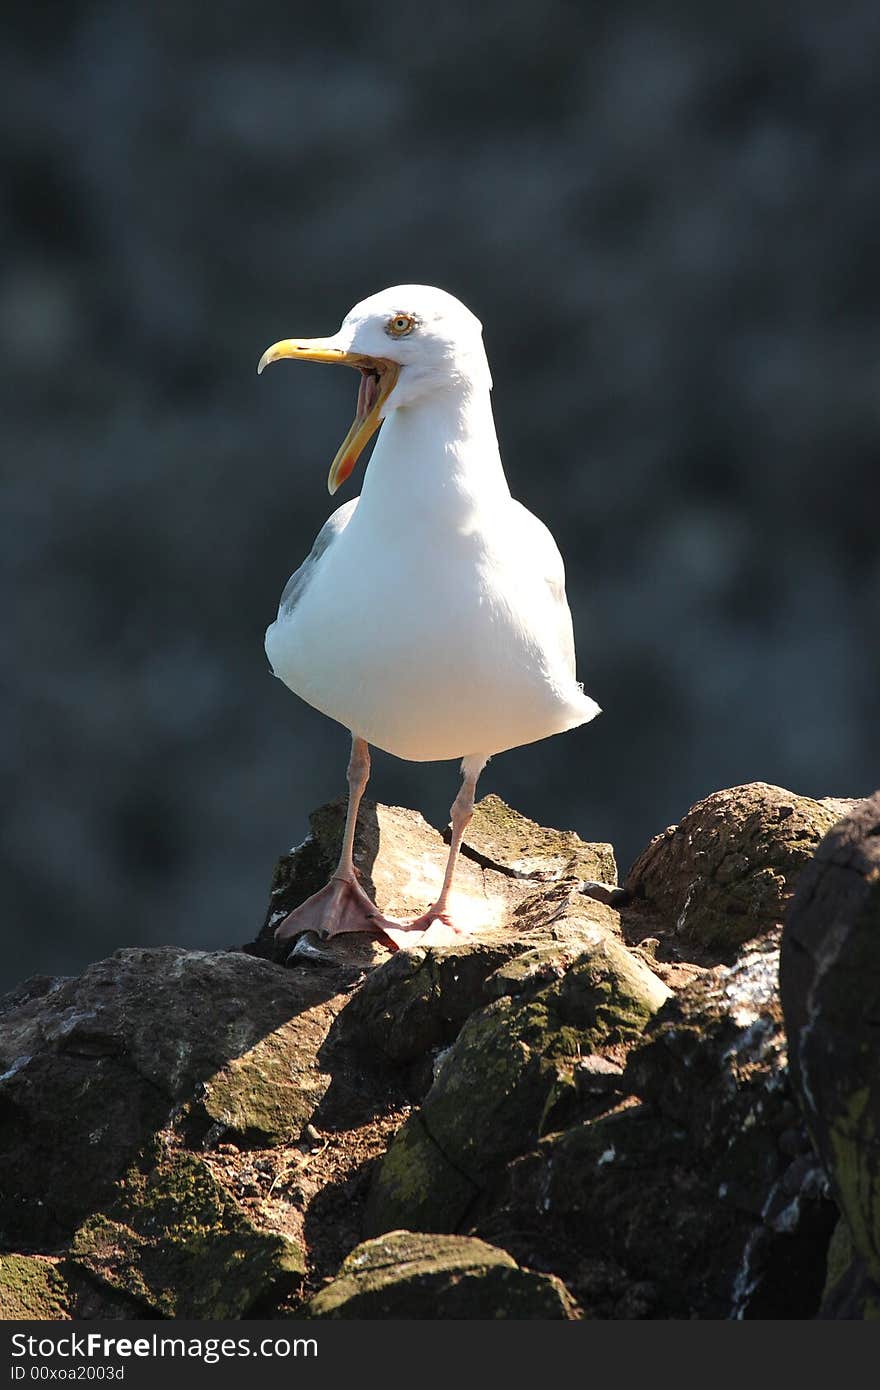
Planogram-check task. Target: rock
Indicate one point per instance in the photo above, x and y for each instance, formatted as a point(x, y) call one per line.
point(510, 1069)
point(830, 982)
point(419, 999)
point(415, 1180)
point(409, 1275)
point(608, 893)
point(715, 1063)
point(174, 1240)
point(31, 1287)
point(92, 1068)
point(499, 837)
point(685, 1184)
point(207, 1135)
point(849, 1293)
point(726, 872)
point(401, 860)
point(718, 1046)
point(596, 1076)
point(268, 1094)
point(52, 1288)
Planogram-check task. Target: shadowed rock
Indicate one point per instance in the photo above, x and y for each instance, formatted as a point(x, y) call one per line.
point(418, 1000)
point(193, 1134)
point(409, 1275)
point(171, 1238)
point(698, 1189)
point(511, 1068)
point(830, 983)
point(92, 1068)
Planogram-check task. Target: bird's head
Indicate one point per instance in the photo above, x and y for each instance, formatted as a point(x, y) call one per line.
point(407, 342)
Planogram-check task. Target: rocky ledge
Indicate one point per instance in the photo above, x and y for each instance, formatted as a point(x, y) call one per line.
point(582, 1109)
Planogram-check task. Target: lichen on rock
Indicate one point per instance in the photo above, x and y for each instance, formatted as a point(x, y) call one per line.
point(420, 998)
point(502, 838)
point(509, 1070)
point(408, 1275)
point(174, 1240)
point(698, 1185)
point(197, 1134)
point(726, 872)
point(32, 1287)
point(830, 984)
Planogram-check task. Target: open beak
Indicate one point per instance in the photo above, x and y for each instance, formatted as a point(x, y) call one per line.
point(378, 378)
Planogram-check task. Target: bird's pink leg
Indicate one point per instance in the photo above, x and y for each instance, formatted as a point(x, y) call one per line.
point(460, 816)
point(342, 906)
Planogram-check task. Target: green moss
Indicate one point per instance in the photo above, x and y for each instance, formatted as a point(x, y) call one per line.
point(505, 1078)
point(856, 1176)
point(417, 1186)
point(269, 1093)
point(840, 1256)
point(502, 836)
point(175, 1240)
point(406, 1275)
point(32, 1287)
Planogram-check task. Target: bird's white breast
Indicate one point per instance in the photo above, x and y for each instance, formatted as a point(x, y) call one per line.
point(428, 626)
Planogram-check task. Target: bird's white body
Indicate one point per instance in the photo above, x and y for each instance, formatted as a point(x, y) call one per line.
point(431, 618)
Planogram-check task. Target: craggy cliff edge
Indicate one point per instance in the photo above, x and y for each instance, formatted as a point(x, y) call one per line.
point(586, 1108)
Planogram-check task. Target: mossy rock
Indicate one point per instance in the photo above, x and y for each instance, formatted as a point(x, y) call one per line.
point(419, 1000)
point(268, 1094)
point(500, 837)
point(418, 1181)
point(725, 874)
point(175, 1241)
point(849, 1293)
point(830, 980)
point(715, 1056)
point(91, 1069)
point(33, 1288)
point(509, 1070)
point(529, 970)
point(401, 860)
point(409, 1275)
point(701, 1182)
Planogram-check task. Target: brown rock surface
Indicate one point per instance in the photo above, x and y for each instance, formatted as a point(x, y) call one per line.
point(408, 1275)
point(187, 1133)
point(401, 860)
point(92, 1068)
point(726, 872)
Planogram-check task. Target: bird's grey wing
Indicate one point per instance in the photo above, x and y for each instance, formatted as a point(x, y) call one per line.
point(298, 581)
point(538, 542)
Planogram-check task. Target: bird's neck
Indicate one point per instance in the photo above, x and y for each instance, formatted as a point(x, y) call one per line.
point(438, 457)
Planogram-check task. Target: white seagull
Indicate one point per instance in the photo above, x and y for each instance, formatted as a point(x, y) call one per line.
point(430, 617)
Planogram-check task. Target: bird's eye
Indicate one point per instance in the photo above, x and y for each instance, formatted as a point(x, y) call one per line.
point(400, 325)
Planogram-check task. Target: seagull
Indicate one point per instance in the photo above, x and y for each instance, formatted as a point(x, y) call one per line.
point(430, 618)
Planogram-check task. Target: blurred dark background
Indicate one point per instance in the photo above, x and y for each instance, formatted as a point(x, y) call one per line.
point(669, 225)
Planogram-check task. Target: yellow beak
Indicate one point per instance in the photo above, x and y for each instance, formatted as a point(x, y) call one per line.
point(378, 378)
